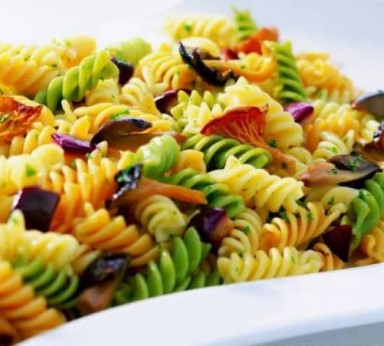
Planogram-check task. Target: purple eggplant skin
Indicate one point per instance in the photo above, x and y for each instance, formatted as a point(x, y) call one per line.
point(38, 207)
point(166, 101)
point(301, 111)
point(355, 168)
point(372, 102)
point(211, 76)
point(212, 224)
point(73, 145)
point(105, 268)
point(127, 179)
point(339, 240)
point(125, 70)
point(118, 129)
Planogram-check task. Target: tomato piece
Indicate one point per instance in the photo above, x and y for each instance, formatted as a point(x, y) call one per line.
point(247, 124)
point(254, 42)
point(15, 118)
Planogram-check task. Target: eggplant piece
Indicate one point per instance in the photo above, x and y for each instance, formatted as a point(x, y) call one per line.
point(125, 70)
point(73, 145)
point(166, 101)
point(38, 207)
point(209, 75)
point(212, 224)
point(339, 240)
point(302, 112)
point(372, 102)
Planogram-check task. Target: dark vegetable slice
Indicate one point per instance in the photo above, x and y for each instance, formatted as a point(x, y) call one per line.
point(372, 102)
point(213, 224)
point(302, 112)
point(210, 75)
point(378, 139)
point(105, 268)
point(133, 187)
point(125, 70)
point(339, 240)
point(247, 124)
point(73, 145)
point(166, 101)
point(346, 170)
point(15, 118)
point(97, 298)
point(38, 207)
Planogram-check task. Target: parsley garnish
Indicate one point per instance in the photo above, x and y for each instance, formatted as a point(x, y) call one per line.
point(352, 164)
point(331, 201)
point(187, 27)
point(4, 118)
point(246, 229)
point(272, 143)
point(309, 215)
point(333, 171)
point(29, 171)
point(119, 114)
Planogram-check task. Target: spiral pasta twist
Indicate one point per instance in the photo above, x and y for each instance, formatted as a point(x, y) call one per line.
point(58, 288)
point(103, 232)
point(217, 195)
point(217, 150)
point(289, 86)
point(218, 29)
point(368, 207)
point(258, 187)
point(171, 273)
point(280, 126)
point(330, 260)
point(105, 91)
point(20, 306)
point(27, 69)
point(245, 26)
point(136, 93)
point(168, 68)
point(265, 265)
point(372, 246)
point(297, 229)
point(322, 79)
point(17, 172)
point(161, 217)
point(190, 158)
point(158, 156)
point(245, 237)
point(78, 80)
point(332, 145)
point(131, 50)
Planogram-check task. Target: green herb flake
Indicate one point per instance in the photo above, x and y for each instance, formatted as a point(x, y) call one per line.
point(30, 171)
point(88, 155)
point(352, 164)
point(4, 118)
point(293, 259)
point(272, 143)
point(187, 27)
point(119, 114)
point(246, 230)
point(331, 201)
point(333, 171)
point(309, 215)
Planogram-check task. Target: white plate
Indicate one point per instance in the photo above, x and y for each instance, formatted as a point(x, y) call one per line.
point(252, 313)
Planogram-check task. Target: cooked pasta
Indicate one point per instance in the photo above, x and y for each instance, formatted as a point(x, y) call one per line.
point(221, 155)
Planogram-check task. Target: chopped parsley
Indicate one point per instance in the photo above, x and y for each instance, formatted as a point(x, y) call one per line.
point(30, 171)
point(119, 114)
point(293, 259)
point(331, 201)
point(353, 163)
point(4, 118)
point(187, 27)
point(246, 229)
point(73, 164)
point(309, 215)
point(272, 143)
point(333, 171)
point(333, 149)
point(283, 215)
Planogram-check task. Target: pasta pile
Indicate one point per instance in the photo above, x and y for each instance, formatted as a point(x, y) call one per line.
point(131, 172)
